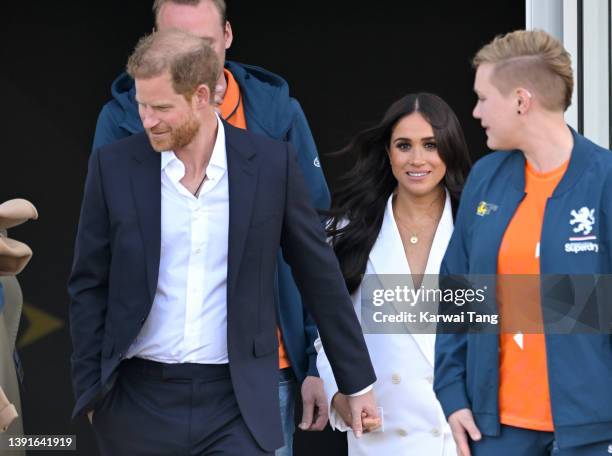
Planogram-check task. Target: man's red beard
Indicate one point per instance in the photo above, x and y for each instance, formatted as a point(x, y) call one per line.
point(176, 138)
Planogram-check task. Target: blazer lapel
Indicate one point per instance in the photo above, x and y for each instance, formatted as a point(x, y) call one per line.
point(242, 181)
point(387, 258)
point(146, 184)
point(442, 237)
point(387, 254)
point(439, 244)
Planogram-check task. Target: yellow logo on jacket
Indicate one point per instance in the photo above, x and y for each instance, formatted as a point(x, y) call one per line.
point(481, 209)
point(485, 208)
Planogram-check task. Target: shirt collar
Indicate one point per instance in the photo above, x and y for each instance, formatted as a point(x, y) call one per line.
point(218, 159)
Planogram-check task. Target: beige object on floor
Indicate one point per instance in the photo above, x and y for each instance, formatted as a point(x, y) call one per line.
point(8, 412)
point(14, 256)
point(9, 324)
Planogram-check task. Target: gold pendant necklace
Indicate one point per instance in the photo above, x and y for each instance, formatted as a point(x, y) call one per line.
point(414, 238)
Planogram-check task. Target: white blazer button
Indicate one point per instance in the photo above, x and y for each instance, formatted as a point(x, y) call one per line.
point(436, 432)
point(402, 432)
point(396, 379)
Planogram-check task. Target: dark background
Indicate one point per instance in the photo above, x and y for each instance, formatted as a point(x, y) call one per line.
point(345, 63)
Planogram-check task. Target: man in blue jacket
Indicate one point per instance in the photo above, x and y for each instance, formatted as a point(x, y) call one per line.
point(252, 98)
point(540, 206)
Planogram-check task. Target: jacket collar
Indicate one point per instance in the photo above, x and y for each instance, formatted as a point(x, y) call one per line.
point(579, 162)
point(267, 105)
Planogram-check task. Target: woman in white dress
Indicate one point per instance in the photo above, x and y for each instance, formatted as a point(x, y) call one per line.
point(394, 215)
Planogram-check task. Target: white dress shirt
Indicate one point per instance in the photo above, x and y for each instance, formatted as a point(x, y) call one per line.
point(188, 319)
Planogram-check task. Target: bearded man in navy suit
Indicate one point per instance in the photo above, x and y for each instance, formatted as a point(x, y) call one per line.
point(172, 311)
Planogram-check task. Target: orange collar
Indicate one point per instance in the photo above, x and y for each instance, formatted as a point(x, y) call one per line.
point(232, 99)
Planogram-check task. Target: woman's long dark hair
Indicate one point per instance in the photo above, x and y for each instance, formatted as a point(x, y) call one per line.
point(363, 193)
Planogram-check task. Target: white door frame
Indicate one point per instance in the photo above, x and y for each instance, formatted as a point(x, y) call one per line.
point(584, 27)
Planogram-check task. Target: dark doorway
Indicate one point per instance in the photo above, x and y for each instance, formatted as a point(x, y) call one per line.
point(345, 62)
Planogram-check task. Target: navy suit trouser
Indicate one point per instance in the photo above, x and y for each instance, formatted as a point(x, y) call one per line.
point(172, 410)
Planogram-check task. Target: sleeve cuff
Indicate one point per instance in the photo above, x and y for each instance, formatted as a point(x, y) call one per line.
point(336, 422)
point(453, 397)
point(367, 389)
point(312, 366)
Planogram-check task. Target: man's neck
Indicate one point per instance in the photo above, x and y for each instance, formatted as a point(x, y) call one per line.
point(548, 142)
point(196, 155)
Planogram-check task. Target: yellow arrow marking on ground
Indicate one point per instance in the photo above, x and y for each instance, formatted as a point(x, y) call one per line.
point(41, 324)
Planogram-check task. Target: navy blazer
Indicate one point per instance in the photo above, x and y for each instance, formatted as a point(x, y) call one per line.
point(116, 264)
point(272, 112)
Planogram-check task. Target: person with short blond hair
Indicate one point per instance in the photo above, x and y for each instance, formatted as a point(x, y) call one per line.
point(255, 99)
point(541, 204)
point(535, 60)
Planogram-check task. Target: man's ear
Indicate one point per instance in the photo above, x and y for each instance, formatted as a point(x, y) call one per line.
point(202, 96)
point(228, 34)
point(524, 100)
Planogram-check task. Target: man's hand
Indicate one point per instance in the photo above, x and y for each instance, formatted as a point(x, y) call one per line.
point(341, 405)
point(462, 423)
point(315, 414)
point(363, 406)
point(90, 416)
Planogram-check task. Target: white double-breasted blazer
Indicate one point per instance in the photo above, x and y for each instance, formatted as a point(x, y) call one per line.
point(413, 420)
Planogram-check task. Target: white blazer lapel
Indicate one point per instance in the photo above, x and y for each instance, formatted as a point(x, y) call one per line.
point(441, 238)
point(387, 254)
point(438, 249)
point(387, 258)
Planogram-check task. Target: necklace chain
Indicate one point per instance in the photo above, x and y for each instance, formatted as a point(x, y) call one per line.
point(414, 236)
point(199, 186)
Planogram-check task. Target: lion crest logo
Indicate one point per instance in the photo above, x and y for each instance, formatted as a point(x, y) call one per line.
point(584, 218)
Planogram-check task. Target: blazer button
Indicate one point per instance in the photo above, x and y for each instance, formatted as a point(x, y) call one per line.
point(430, 379)
point(142, 321)
point(402, 432)
point(436, 432)
point(396, 379)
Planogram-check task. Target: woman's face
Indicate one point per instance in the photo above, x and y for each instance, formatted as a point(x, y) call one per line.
point(414, 157)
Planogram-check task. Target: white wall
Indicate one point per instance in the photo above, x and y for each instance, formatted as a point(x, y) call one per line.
point(591, 98)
